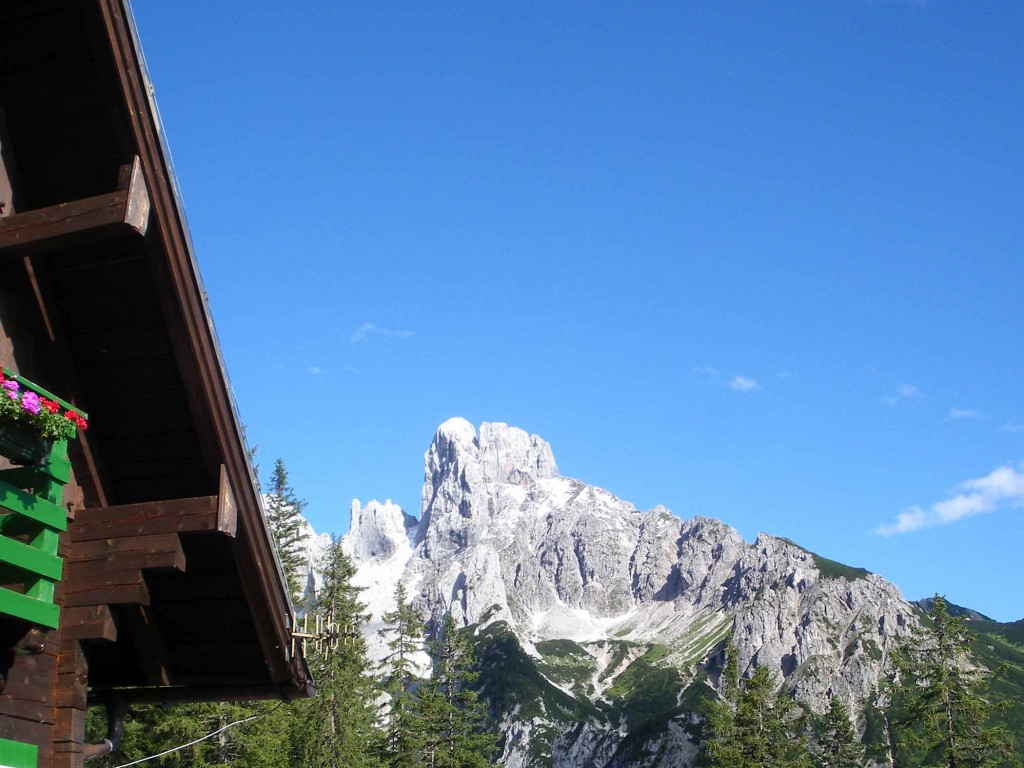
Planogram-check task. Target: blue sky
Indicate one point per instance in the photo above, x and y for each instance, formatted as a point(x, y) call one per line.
point(758, 261)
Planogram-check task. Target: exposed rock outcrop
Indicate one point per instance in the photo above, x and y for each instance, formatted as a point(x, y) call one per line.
point(503, 538)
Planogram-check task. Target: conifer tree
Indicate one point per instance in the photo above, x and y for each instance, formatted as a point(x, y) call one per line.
point(261, 742)
point(941, 695)
point(836, 742)
point(401, 736)
point(337, 726)
point(456, 729)
point(284, 516)
point(725, 749)
point(755, 726)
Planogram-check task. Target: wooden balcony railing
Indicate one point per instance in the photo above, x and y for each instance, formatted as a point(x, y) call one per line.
point(31, 517)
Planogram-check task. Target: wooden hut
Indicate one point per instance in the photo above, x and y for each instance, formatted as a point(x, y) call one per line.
point(135, 560)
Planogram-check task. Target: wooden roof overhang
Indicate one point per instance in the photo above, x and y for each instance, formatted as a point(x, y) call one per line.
point(171, 578)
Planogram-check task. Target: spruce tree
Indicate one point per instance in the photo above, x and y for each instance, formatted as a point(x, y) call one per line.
point(401, 737)
point(835, 740)
point(725, 749)
point(939, 697)
point(755, 726)
point(150, 729)
point(455, 725)
point(284, 516)
point(337, 726)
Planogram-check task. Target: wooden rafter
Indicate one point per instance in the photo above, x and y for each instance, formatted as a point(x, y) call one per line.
point(149, 644)
point(125, 210)
point(195, 515)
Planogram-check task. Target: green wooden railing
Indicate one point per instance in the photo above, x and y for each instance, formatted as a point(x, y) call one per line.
point(14, 754)
point(31, 517)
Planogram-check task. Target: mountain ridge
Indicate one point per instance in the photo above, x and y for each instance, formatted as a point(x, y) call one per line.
point(600, 603)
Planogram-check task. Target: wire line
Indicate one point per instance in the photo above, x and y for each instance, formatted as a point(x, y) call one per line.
point(196, 741)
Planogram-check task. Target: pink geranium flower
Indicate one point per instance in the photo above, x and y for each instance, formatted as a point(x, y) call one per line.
point(30, 402)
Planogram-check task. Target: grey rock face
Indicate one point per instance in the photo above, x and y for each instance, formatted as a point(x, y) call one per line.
point(503, 537)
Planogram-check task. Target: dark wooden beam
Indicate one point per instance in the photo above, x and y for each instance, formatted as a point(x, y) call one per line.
point(149, 644)
point(195, 515)
point(133, 590)
point(85, 571)
point(125, 210)
point(89, 622)
point(227, 509)
point(167, 544)
point(180, 694)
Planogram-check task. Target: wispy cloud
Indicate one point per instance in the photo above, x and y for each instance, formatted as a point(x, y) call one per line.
point(743, 384)
point(705, 370)
point(903, 392)
point(785, 375)
point(367, 330)
point(962, 413)
point(1011, 427)
point(1001, 487)
point(314, 370)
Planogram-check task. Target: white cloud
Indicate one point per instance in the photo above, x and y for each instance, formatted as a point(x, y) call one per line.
point(366, 330)
point(1001, 487)
point(1011, 427)
point(962, 413)
point(786, 375)
point(743, 384)
point(903, 392)
point(314, 370)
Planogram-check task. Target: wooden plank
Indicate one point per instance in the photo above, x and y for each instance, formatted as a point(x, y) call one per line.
point(101, 548)
point(58, 226)
point(149, 644)
point(28, 608)
point(36, 666)
point(176, 589)
point(40, 510)
point(72, 663)
point(90, 570)
point(104, 578)
point(227, 510)
point(29, 692)
point(150, 510)
point(194, 515)
point(72, 691)
point(194, 622)
point(19, 554)
point(88, 622)
point(25, 708)
point(113, 594)
point(69, 725)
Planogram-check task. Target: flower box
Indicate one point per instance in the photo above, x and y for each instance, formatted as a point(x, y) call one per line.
point(35, 428)
point(32, 420)
point(22, 445)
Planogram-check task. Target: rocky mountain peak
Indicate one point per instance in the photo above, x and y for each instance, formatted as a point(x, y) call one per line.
point(463, 471)
point(377, 530)
point(581, 581)
point(502, 453)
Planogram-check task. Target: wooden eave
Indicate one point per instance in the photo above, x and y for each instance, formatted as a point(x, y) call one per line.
point(184, 297)
point(123, 306)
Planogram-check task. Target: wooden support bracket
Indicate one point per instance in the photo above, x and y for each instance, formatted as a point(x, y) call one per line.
point(200, 514)
point(123, 211)
point(89, 622)
point(149, 644)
